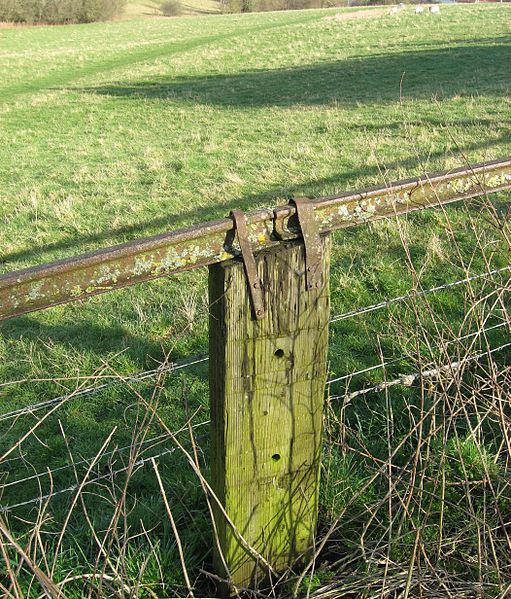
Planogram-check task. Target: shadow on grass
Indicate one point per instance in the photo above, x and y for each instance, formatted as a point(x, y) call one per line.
point(468, 70)
point(85, 336)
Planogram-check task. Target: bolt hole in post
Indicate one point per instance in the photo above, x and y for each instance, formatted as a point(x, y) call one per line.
point(279, 353)
point(275, 457)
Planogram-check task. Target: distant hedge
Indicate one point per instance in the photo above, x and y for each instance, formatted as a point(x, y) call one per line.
point(171, 8)
point(59, 11)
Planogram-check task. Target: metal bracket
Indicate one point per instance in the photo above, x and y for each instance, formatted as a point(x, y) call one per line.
point(312, 241)
point(249, 263)
point(281, 227)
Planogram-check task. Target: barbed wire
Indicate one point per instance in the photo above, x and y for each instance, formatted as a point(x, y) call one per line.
point(412, 294)
point(130, 378)
point(385, 363)
point(137, 464)
point(149, 374)
point(162, 437)
point(407, 380)
point(60, 379)
point(155, 440)
point(404, 380)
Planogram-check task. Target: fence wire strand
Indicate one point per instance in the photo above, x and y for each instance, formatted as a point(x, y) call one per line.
point(407, 380)
point(155, 440)
point(386, 363)
point(413, 294)
point(137, 464)
point(130, 378)
point(150, 374)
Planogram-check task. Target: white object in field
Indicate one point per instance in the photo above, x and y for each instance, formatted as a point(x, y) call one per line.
point(394, 10)
point(435, 9)
point(419, 10)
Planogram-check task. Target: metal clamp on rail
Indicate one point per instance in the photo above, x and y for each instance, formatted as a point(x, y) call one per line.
point(249, 263)
point(310, 232)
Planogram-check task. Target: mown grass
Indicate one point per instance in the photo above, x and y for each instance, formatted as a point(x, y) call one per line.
point(113, 131)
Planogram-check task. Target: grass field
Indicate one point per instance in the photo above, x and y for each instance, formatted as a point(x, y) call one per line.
point(113, 131)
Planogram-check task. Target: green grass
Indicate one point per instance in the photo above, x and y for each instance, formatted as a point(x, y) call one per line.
point(113, 131)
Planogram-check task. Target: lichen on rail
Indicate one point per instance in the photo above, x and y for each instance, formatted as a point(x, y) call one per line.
point(204, 244)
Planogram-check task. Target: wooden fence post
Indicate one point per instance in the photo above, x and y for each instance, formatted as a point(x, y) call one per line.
point(267, 380)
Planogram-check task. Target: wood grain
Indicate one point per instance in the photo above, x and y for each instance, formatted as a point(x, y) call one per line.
point(267, 381)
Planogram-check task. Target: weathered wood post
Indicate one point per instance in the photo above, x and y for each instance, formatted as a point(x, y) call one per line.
point(267, 378)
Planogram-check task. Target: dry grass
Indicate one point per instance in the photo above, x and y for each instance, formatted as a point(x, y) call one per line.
point(416, 496)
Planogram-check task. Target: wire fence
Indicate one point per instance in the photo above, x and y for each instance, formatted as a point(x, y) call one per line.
point(200, 359)
point(109, 475)
point(419, 293)
point(449, 369)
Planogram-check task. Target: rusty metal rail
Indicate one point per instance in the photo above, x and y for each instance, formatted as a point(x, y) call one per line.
point(201, 245)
